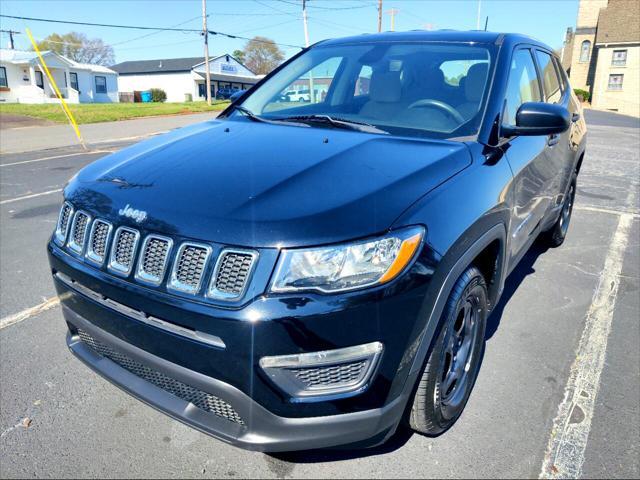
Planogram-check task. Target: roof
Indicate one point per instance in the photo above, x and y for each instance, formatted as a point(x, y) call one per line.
point(230, 78)
point(617, 23)
point(24, 56)
point(161, 65)
point(477, 36)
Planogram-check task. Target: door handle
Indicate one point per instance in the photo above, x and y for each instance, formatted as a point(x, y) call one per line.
point(553, 139)
point(575, 117)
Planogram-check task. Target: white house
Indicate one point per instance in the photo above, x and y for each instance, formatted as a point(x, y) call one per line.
point(23, 80)
point(180, 77)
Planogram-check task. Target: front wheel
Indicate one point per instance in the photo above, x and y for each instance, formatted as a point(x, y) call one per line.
point(454, 360)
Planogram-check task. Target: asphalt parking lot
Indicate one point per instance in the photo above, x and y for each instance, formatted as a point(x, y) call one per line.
point(59, 419)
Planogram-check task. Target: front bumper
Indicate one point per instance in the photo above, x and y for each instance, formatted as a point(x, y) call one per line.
point(262, 430)
point(230, 372)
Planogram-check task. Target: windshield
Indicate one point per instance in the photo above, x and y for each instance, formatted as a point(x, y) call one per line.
point(418, 89)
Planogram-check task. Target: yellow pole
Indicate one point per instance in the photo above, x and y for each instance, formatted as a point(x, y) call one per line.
point(65, 108)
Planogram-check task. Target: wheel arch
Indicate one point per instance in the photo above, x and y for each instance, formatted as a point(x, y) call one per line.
point(452, 265)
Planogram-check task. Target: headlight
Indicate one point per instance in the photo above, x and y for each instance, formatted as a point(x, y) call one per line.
point(348, 266)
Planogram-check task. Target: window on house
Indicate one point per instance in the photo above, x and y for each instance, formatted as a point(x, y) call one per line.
point(615, 82)
point(585, 51)
point(549, 77)
point(3, 77)
point(74, 80)
point(101, 84)
point(619, 58)
point(39, 79)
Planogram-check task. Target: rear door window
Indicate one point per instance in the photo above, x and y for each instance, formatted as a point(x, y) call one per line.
point(549, 75)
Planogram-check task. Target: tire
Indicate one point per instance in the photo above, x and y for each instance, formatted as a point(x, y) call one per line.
point(439, 398)
point(554, 237)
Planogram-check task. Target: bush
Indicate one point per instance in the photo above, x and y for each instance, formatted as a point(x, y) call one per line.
point(158, 95)
point(583, 95)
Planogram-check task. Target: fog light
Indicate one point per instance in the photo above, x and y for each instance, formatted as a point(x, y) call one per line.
point(320, 376)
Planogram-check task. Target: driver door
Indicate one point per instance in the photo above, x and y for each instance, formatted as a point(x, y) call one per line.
point(526, 156)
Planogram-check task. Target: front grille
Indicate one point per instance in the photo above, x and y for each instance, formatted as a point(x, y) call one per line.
point(189, 266)
point(203, 400)
point(124, 250)
point(153, 262)
point(231, 274)
point(79, 229)
point(98, 239)
point(62, 227)
point(345, 373)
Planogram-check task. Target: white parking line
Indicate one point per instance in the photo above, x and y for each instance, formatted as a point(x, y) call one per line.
point(29, 312)
point(54, 157)
point(33, 195)
point(566, 449)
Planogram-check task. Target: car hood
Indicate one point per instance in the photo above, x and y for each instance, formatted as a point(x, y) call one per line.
point(263, 185)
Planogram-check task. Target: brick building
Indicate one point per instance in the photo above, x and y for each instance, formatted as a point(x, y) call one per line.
point(602, 56)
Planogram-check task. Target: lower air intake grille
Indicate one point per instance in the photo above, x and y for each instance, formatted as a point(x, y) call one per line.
point(203, 400)
point(189, 267)
point(232, 274)
point(332, 375)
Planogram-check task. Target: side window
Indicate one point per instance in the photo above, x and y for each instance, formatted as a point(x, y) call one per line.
point(101, 84)
point(3, 77)
point(585, 51)
point(39, 79)
point(74, 80)
point(363, 80)
point(522, 86)
point(549, 77)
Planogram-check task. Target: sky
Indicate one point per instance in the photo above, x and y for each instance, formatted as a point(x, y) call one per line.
point(280, 20)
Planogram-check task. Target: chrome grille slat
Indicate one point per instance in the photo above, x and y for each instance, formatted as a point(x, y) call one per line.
point(79, 229)
point(62, 227)
point(232, 274)
point(153, 259)
point(189, 267)
point(98, 241)
point(123, 250)
point(203, 400)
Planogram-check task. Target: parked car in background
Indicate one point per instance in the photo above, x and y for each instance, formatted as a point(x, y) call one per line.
point(325, 275)
point(236, 95)
point(302, 95)
point(225, 93)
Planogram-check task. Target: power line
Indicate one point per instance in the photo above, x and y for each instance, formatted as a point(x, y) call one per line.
point(353, 7)
point(138, 27)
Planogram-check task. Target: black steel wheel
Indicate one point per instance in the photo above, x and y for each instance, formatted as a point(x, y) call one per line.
point(454, 360)
point(555, 236)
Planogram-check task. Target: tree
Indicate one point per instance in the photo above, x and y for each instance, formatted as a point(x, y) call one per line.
point(79, 48)
point(262, 55)
point(239, 55)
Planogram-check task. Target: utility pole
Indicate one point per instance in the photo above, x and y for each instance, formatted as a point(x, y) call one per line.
point(11, 34)
point(379, 16)
point(312, 93)
point(393, 12)
point(478, 15)
point(205, 32)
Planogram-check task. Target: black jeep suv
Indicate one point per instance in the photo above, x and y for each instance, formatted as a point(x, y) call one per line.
point(294, 275)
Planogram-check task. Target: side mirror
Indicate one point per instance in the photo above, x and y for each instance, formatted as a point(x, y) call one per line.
point(538, 118)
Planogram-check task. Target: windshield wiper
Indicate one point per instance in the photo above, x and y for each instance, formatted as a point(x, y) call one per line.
point(257, 118)
point(336, 122)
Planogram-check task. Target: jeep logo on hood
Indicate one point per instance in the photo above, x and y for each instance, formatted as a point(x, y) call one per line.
point(137, 215)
